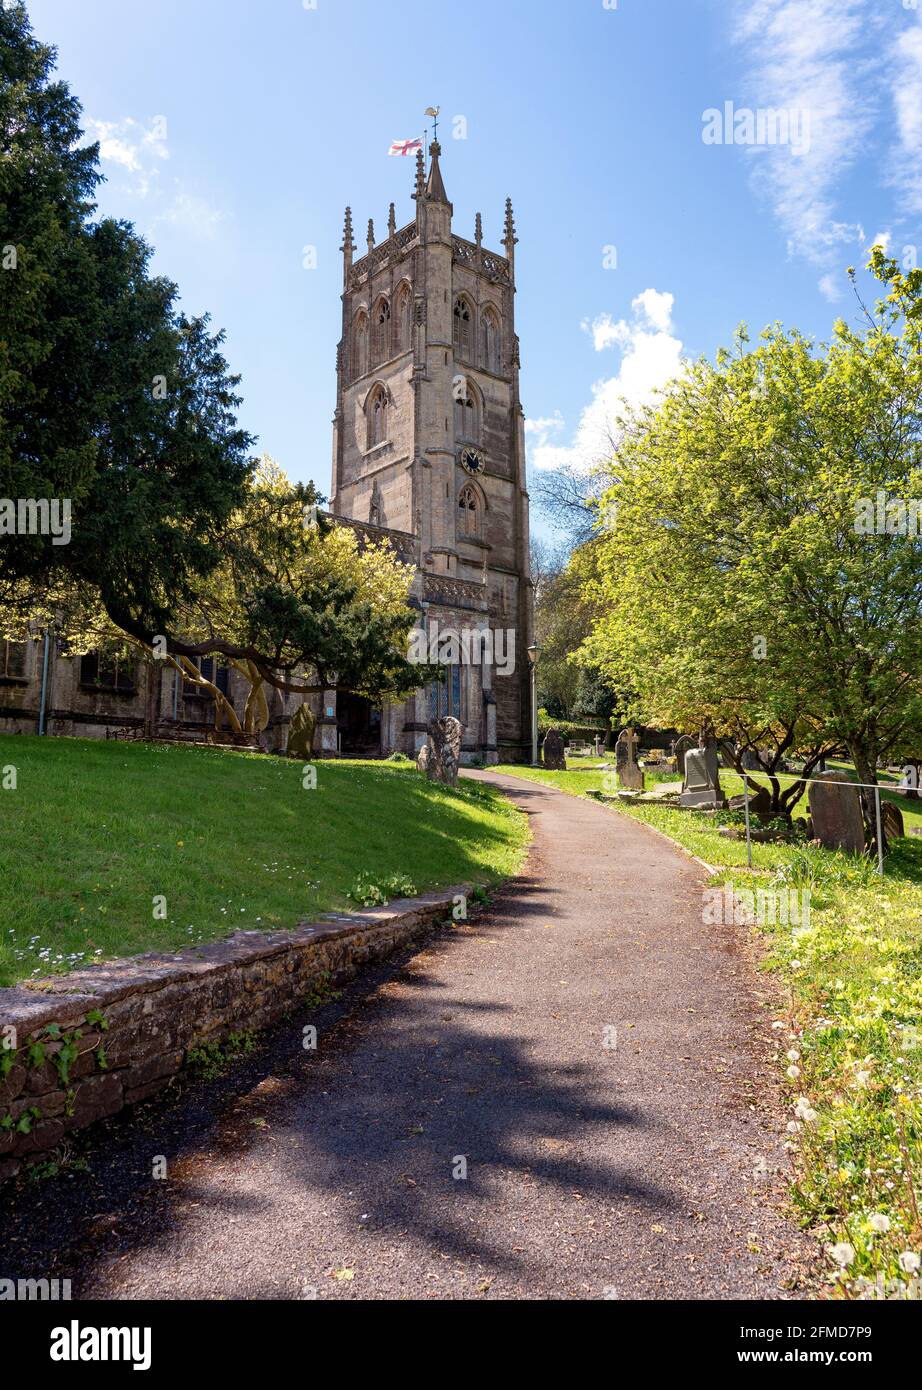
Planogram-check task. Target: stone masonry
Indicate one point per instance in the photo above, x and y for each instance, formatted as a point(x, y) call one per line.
point(139, 1017)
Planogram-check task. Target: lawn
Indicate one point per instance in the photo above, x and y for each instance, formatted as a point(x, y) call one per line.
point(849, 1028)
point(96, 835)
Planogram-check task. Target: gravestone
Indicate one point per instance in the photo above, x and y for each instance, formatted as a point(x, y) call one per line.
point(760, 802)
point(680, 748)
point(701, 786)
point(630, 775)
point(301, 733)
point(444, 756)
point(726, 749)
point(835, 813)
point(552, 752)
point(751, 760)
point(892, 819)
point(422, 758)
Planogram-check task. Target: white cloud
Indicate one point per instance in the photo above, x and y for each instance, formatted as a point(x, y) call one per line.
point(133, 147)
point(650, 307)
point(882, 239)
point(805, 57)
point(907, 102)
point(657, 308)
point(651, 356)
point(192, 213)
point(829, 287)
point(605, 331)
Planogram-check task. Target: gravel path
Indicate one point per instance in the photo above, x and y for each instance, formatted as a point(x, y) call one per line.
point(593, 1170)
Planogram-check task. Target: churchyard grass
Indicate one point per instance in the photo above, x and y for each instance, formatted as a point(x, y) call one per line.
point(848, 1022)
point(96, 833)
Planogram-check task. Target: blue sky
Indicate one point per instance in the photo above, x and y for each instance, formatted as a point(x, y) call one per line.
point(234, 133)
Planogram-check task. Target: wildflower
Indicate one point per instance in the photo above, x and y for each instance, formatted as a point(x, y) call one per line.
point(842, 1253)
point(879, 1223)
point(793, 1055)
point(793, 1072)
point(909, 1262)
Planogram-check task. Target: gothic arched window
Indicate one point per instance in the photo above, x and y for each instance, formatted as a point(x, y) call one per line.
point(467, 413)
point(382, 330)
point(463, 322)
point(360, 345)
point(402, 324)
point(468, 513)
point(490, 335)
point(376, 411)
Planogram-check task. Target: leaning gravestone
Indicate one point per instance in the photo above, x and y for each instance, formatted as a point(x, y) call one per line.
point(630, 774)
point(701, 786)
point(444, 756)
point(836, 814)
point(553, 753)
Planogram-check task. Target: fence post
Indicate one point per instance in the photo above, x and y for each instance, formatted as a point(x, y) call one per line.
point(746, 803)
point(880, 834)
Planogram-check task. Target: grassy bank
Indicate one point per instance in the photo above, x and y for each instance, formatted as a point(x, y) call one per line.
point(96, 835)
point(849, 1035)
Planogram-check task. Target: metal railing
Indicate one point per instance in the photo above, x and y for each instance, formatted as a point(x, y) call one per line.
point(795, 777)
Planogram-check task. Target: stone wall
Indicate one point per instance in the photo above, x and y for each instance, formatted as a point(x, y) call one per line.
point(138, 1018)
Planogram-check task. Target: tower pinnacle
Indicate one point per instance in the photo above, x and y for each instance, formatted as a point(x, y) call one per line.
point(435, 188)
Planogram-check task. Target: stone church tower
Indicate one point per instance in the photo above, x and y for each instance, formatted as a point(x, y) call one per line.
point(429, 452)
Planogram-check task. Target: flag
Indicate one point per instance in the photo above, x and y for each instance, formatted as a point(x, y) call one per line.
point(405, 146)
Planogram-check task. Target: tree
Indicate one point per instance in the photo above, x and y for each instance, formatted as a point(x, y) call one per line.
point(110, 399)
point(294, 601)
point(741, 590)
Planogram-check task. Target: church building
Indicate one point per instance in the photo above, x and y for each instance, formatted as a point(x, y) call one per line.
point(429, 453)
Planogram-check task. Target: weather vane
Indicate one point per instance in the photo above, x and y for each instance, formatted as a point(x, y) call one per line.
point(433, 111)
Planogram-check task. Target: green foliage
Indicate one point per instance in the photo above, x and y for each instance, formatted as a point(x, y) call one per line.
point(736, 586)
point(211, 1060)
point(371, 892)
point(150, 475)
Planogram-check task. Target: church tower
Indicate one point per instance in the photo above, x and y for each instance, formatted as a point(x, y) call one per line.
point(429, 451)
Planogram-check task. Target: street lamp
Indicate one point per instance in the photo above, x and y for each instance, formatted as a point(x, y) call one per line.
point(533, 653)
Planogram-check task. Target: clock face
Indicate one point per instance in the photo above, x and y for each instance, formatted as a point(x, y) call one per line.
point(472, 461)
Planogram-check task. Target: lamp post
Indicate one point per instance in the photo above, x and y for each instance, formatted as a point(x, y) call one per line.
point(533, 653)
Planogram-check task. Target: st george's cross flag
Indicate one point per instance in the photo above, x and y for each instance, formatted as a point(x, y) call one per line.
point(405, 146)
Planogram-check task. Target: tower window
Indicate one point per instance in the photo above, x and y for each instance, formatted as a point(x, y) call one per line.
point(376, 410)
point(468, 513)
point(491, 351)
point(360, 346)
point(462, 327)
point(382, 327)
point(402, 324)
point(466, 412)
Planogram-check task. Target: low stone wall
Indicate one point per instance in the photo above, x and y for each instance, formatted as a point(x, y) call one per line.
point(77, 1048)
